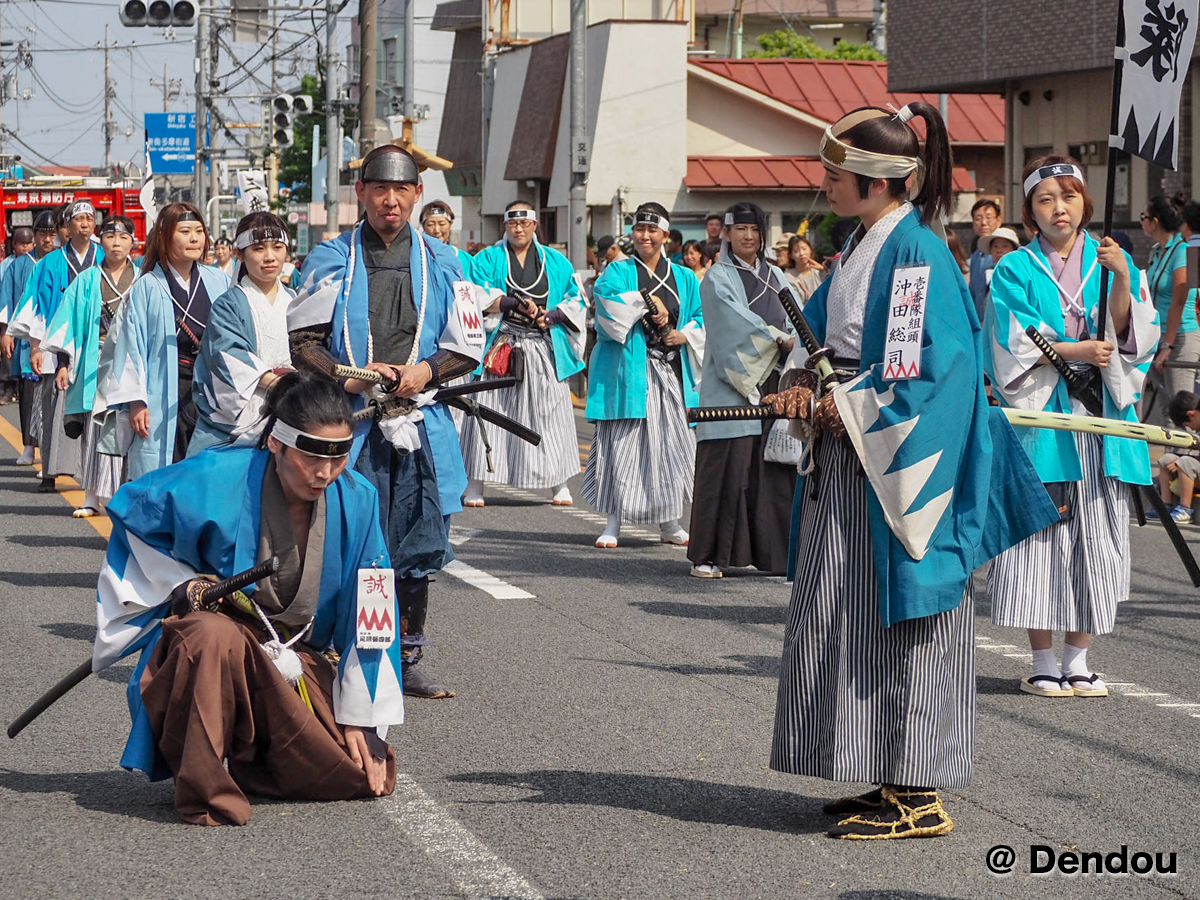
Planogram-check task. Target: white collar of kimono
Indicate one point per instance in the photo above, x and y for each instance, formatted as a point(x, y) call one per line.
point(1058, 170)
point(1072, 299)
point(355, 241)
point(841, 155)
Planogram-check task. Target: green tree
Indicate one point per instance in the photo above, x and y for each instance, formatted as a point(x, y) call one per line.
point(785, 44)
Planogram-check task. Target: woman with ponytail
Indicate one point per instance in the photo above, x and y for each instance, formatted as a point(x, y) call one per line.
point(877, 683)
point(1166, 278)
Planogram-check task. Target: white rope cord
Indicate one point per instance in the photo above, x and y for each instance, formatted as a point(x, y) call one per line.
point(416, 347)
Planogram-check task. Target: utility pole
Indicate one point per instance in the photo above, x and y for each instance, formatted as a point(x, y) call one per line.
point(171, 88)
point(580, 151)
point(198, 183)
point(272, 153)
point(108, 122)
point(410, 58)
point(213, 130)
point(738, 29)
point(333, 132)
point(367, 38)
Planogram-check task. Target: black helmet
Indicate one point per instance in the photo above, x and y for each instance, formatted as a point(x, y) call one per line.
point(45, 221)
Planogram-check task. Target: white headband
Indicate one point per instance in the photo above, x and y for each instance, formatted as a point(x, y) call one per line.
point(866, 162)
point(435, 211)
point(518, 214)
point(652, 218)
point(329, 448)
point(252, 236)
point(82, 208)
point(1037, 176)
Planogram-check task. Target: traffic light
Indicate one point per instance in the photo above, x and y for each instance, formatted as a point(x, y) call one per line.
point(282, 121)
point(158, 13)
point(284, 109)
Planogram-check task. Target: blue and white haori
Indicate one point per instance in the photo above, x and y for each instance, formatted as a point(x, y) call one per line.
point(1024, 292)
point(179, 522)
point(1072, 575)
point(75, 331)
point(617, 369)
point(246, 337)
point(883, 564)
point(744, 350)
point(13, 279)
point(949, 485)
point(140, 362)
point(43, 293)
point(334, 294)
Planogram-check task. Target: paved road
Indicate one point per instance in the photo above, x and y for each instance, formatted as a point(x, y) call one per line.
point(610, 739)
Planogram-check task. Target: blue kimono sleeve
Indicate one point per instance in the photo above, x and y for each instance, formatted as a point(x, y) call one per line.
point(228, 368)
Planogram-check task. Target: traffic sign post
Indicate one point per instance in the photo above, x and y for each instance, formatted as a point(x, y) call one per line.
point(171, 142)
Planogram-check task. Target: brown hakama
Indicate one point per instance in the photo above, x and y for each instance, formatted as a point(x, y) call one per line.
point(212, 693)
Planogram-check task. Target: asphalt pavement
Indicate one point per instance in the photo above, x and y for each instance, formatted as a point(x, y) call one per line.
point(609, 739)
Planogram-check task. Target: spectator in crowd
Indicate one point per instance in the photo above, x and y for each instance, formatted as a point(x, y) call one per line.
point(607, 251)
point(985, 218)
point(956, 249)
point(223, 249)
point(805, 273)
point(713, 226)
point(694, 258)
point(712, 249)
point(1166, 277)
point(998, 243)
point(780, 249)
point(1124, 241)
point(1179, 470)
point(675, 245)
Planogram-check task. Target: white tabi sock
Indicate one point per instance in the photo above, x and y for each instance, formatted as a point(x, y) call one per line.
point(474, 492)
point(562, 494)
point(1044, 663)
point(90, 501)
point(1074, 661)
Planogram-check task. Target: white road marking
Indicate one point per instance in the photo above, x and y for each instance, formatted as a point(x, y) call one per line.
point(478, 872)
point(501, 590)
point(1120, 688)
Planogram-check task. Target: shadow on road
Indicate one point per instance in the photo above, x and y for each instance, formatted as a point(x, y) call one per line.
point(75, 631)
point(83, 541)
point(116, 792)
point(51, 579)
point(676, 798)
point(766, 666)
point(749, 615)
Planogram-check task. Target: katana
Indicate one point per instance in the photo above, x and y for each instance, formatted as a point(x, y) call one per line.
point(385, 409)
point(208, 597)
point(1018, 418)
point(317, 357)
point(818, 356)
point(1087, 391)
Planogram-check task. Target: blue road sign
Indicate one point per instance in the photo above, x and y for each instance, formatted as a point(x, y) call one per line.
point(171, 141)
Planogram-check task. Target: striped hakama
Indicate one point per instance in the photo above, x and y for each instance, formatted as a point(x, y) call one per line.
point(1072, 575)
point(60, 454)
point(858, 702)
point(541, 402)
point(642, 469)
point(99, 473)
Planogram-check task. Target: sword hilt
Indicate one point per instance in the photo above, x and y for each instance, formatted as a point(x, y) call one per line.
point(818, 355)
point(210, 597)
point(730, 413)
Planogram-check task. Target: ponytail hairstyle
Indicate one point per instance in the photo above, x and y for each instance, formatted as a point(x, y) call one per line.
point(891, 135)
point(1166, 211)
point(306, 401)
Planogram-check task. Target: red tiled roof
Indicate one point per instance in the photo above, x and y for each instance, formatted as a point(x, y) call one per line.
point(772, 173)
point(830, 88)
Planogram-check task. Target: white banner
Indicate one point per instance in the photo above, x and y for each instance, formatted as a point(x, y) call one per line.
point(252, 184)
point(1159, 36)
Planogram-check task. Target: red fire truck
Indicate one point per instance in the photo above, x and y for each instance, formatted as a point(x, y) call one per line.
point(22, 201)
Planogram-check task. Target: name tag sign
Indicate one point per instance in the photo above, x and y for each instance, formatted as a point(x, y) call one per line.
point(468, 315)
point(906, 324)
point(376, 608)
